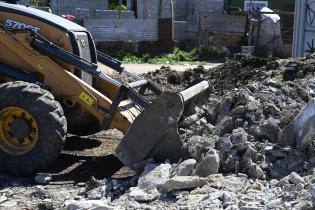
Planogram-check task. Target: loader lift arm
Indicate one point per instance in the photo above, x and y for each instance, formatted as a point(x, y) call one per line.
point(125, 91)
point(48, 48)
point(151, 129)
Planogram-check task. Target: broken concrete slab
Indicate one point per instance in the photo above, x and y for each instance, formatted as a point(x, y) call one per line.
point(154, 175)
point(209, 164)
point(182, 183)
point(295, 178)
point(142, 195)
point(186, 167)
point(89, 204)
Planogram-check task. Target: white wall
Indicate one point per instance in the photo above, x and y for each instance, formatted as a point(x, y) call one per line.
point(304, 28)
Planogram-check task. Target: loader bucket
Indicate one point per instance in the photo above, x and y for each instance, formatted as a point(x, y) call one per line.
point(154, 133)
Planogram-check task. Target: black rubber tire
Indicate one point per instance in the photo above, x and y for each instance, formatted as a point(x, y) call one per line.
point(51, 122)
point(81, 122)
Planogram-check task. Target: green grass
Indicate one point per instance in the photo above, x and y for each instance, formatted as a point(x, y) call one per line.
point(195, 56)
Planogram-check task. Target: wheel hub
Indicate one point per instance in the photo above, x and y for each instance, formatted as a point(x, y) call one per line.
point(20, 128)
point(18, 131)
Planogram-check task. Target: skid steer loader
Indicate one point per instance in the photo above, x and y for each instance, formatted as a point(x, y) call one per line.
point(51, 85)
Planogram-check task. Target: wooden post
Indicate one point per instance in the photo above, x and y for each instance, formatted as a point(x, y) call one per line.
point(173, 19)
point(226, 5)
point(119, 9)
point(145, 9)
point(129, 5)
point(250, 15)
point(160, 9)
point(58, 8)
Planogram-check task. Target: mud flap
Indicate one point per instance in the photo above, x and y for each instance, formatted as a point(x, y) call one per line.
point(154, 134)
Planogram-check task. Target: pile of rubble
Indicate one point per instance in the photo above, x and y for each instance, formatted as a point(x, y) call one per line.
point(243, 152)
point(243, 148)
point(248, 120)
point(251, 128)
point(163, 186)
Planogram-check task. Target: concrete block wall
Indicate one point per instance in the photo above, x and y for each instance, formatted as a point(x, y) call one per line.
point(25, 2)
point(206, 6)
point(185, 8)
point(135, 30)
point(82, 13)
point(181, 9)
point(209, 6)
point(226, 39)
point(69, 6)
point(203, 22)
point(179, 32)
point(150, 9)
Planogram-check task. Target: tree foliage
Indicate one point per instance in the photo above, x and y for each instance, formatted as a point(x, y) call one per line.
point(114, 5)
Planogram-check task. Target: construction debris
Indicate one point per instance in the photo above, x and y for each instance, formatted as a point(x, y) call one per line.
point(43, 178)
point(244, 147)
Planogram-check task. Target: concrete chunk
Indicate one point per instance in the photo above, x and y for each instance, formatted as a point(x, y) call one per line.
point(182, 183)
point(154, 175)
point(185, 168)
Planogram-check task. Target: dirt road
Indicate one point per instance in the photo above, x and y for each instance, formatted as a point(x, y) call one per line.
point(145, 68)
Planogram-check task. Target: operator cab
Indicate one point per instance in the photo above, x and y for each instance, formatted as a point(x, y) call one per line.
point(60, 31)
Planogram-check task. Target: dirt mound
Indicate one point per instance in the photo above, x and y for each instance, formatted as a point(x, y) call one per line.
point(235, 72)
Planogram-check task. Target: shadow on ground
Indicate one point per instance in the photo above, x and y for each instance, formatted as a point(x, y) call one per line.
point(81, 168)
point(76, 143)
point(83, 158)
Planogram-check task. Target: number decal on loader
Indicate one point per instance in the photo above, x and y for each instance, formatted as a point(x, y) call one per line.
point(87, 99)
point(18, 25)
